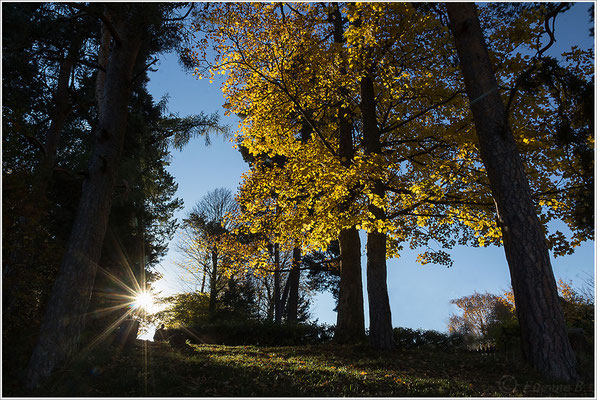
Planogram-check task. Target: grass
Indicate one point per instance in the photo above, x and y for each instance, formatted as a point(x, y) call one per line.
point(155, 369)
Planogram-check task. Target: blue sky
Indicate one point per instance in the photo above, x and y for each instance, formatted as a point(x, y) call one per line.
point(419, 295)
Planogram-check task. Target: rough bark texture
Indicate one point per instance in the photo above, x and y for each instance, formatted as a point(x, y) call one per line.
point(213, 283)
point(64, 318)
point(544, 340)
point(380, 316)
point(294, 281)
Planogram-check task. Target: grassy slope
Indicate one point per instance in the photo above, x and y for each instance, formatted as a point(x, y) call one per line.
point(155, 369)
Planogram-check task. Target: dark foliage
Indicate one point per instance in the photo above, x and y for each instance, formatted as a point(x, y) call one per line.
point(259, 333)
point(406, 338)
point(40, 198)
point(324, 270)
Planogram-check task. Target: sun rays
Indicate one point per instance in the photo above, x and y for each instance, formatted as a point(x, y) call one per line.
point(129, 298)
point(144, 301)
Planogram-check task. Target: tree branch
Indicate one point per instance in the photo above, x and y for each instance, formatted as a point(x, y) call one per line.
point(102, 17)
point(421, 113)
point(181, 18)
point(155, 60)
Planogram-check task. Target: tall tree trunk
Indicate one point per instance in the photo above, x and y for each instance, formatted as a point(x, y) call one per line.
point(380, 316)
point(350, 323)
point(64, 318)
point(294, 279)
point(213, 281)
point(544, 340)
point(277, 293)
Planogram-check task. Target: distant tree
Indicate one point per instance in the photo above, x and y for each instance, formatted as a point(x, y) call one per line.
point(479, 312)
point(209, 225)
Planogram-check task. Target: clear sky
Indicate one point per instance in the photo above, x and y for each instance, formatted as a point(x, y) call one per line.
point(419, 295)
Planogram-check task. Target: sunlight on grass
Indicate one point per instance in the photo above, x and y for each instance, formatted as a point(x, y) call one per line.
point(158, 369)
point(328, 372)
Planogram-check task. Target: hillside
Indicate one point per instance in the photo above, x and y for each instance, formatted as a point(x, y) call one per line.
point(156, 369)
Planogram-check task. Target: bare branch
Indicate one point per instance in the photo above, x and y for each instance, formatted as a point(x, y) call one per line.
point(183, 17)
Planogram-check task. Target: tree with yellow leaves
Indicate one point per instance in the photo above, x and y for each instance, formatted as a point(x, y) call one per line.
point(364, 103)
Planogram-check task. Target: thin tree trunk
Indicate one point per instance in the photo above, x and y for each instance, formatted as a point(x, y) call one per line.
point(545, 343)
point(203, 279)
point(64, 318)
point(380, 316)
point(62, 102)
point(285, 294)
point(277, 298)
point(350, 323)
point(294, 279)
point(270, 302)
point(213, 280)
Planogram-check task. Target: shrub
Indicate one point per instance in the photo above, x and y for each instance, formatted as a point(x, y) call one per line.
point(506, 335)
point(260, 333)
point(406, 338)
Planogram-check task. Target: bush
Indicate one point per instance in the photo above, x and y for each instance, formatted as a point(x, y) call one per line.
point(259, 333)
point(506, 335)
point(406, 338)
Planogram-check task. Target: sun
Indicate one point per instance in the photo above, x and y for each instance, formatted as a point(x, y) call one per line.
point(144, 301)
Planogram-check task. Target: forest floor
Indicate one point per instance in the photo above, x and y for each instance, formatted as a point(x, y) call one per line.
point(156, 369)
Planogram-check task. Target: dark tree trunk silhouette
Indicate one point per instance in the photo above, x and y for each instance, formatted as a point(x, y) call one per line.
point(203, 279)
point(64, 317)
point(278, 307)
point(544, 340)
point(380, 316)
point(294, 280)
point(213, 282)
point(350, 323)
point(62, 102)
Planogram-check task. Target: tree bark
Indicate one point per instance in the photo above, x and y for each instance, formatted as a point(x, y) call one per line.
point(380, 316)
point(543, 330)
point(350, 323)
point(294, 279)
point(65, 314)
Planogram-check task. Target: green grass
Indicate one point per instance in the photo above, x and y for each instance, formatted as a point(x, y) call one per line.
point(155, 369)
